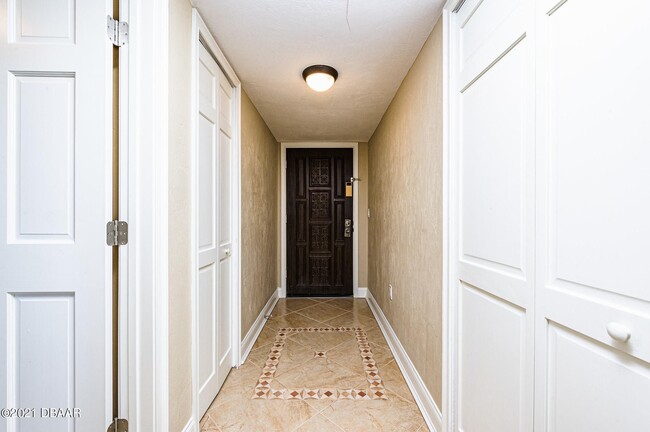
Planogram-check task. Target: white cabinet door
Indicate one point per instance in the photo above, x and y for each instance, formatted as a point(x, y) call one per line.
point(593, 236)
point(494, 135)
point(214, 229)
point(55, 200)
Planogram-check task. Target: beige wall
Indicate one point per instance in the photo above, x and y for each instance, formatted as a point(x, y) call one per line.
point(405, 228)
point(180, 312)
point(260, 154)
point(362, 223)
point(260, 173)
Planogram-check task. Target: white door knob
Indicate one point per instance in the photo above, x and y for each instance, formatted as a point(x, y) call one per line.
point(618, 332)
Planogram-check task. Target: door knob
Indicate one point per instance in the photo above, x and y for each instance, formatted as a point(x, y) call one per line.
point(227, 251)
point(618, 332)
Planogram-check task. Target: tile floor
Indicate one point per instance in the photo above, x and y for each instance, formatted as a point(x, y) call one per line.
point(318, 365)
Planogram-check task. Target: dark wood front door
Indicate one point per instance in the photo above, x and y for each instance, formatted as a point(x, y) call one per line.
point(319, 254)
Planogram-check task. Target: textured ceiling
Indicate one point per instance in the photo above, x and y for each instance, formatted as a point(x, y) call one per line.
point(372, 44)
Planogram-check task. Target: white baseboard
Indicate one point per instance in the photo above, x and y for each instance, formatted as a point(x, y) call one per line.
point(258, 325)
point(430, 410)
point(190, 426)
point(282, 292)
point(360, 292)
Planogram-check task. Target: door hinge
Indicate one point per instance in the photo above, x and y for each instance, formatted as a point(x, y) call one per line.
point(118, 425)
point(117, 31)
point(117, 233)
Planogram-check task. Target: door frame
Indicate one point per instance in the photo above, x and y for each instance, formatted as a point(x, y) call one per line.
point(200, 32)
point(357, 292)
point(450, 196)
point(143, 270)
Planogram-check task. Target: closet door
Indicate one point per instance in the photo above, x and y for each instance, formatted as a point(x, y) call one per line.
point(494, 140)
point(593, 235)
point(214, 302)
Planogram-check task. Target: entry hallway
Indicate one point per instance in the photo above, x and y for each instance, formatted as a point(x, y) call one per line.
point(319, 364)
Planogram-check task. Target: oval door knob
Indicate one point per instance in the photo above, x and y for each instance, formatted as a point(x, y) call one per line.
point(618, 332)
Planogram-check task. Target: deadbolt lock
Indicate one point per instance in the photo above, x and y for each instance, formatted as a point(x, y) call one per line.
point(348, 228)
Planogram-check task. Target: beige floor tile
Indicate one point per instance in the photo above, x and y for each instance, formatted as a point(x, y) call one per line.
point(352, 319)
point(348, 356)
point(249, 415)
point(377, 337)
point(382, 354)
point(267, 336)
point(259, 355)
point(394, 381)
point(392, 415)
point(318, 423)
point(345, 303)
point(321, 312)
point(293, 319)
point(208, 425)
point(293, 354)
point(320, 404)
point(235, 410)
point(424, 428)
point(321, 341)
point(320, 373)
point(239, 384)
point(288, 305)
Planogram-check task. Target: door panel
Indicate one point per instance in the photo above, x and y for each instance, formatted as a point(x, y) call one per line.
point(593, 387)
point(593, 208)
point(55, 178)
point(495, 124)
point(500, 348)
point(214, 229)
point(319, 255)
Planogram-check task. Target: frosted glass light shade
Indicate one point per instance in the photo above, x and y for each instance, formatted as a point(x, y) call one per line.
point(320, 82)
point(320, 78)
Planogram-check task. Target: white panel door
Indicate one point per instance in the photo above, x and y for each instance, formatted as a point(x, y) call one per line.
point(593, 237)
point(214, 229)
point(55, 189)
point(493, 90)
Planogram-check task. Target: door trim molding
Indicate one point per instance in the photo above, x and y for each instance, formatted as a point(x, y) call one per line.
point(144, 204)
point(283, 208)
point(449, 222)
point(200, 32)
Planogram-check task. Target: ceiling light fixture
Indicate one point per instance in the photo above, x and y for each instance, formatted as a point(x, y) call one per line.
point(320, 78)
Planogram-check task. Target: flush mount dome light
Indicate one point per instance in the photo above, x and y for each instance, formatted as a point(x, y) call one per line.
point(320, 78)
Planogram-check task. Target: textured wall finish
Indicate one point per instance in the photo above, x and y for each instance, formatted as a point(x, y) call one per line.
point(260, 171)
point(405, 228)
point(362, 223)
point(180, 251)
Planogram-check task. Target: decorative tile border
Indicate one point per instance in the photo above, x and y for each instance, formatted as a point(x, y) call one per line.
point(376, 388)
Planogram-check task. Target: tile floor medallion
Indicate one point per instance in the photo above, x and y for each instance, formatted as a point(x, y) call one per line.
point(374, 390)
point(313, 368)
